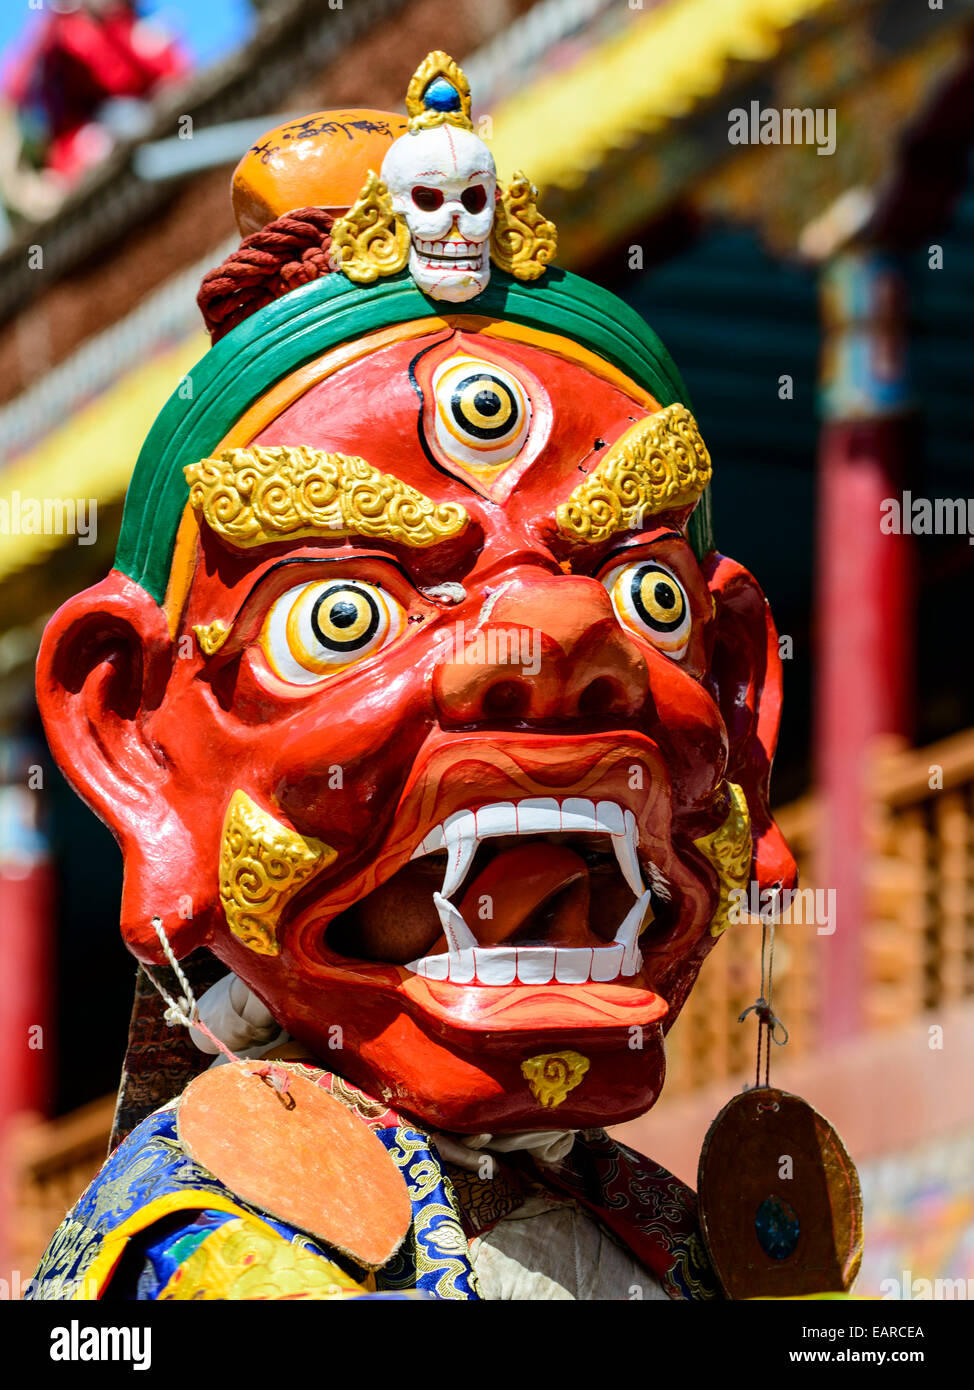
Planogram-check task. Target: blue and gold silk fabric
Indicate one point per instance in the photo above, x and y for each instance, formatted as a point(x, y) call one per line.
point(155, 1225)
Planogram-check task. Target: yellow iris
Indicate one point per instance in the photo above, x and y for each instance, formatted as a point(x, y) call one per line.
point(476, 395)
point(652, 602)
point(482, 412)
point(342, 618)
point(662, 601)
point(317, 629)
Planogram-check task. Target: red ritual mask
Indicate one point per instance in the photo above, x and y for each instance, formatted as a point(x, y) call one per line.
point(460, 788)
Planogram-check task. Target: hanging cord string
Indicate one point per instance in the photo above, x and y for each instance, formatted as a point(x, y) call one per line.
point(768, 1021)
point(185, 1010)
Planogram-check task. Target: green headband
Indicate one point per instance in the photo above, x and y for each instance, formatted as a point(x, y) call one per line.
point(307, 323)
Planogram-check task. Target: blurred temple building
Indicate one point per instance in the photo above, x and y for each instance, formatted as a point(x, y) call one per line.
point(817, 297)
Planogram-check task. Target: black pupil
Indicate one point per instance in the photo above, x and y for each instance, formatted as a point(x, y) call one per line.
point(343, 613)
point(666, 603)
point(341, 608)
point(487, 400)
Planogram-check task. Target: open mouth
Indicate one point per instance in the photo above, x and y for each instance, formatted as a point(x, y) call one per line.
point(451, 255)
point(531, 891)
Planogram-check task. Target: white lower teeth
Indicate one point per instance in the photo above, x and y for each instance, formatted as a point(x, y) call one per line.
point(529, 965)
point(497, 966)
point(465, 962)
point(458, 935)
point(607, 963)
point(573, 964)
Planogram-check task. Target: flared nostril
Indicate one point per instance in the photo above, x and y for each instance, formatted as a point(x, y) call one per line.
point(603, 696)
point(506, 700)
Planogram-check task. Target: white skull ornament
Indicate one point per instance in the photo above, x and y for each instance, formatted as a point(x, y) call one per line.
point(443, 182)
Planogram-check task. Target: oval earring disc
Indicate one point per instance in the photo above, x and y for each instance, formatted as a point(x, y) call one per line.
point(779, 1197)
point(303, 1158)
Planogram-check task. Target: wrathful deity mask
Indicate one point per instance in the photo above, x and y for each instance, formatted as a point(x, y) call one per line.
point(419, 694)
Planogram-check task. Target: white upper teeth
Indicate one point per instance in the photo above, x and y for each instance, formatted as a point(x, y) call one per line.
point(465, 961)
point(461, 833)
point(467, 250)
point(624, 843)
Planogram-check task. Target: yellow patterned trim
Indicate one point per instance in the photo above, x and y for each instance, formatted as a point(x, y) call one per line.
point(729, 849)
point(658, 464)
point(370, 240)
point(99, 1272)
point(522, 240)
point(244, 1259)
point(250, 424)
point(552, 1075)
point(260, 495)
point(182, 569)
point(262, 865)
point(439, 1245)
point(437, 64)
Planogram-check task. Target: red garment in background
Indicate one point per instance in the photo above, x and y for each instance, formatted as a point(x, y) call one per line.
point(76, 62)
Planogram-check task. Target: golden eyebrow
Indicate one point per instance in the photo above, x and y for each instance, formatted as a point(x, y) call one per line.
point(660, 463)
point(259, 495)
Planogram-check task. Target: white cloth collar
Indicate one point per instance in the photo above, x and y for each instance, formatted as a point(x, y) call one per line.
point(547, 1146)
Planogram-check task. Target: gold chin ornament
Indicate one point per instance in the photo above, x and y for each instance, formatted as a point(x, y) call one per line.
point(551, 1076)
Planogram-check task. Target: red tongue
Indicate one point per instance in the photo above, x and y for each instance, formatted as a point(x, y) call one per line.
point(504, 897)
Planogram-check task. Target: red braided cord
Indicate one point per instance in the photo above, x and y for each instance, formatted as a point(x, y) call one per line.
point(283, 255)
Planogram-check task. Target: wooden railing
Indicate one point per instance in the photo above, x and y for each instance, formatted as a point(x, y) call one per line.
point(53, 1163)
point(919, 937)
point(918, 928)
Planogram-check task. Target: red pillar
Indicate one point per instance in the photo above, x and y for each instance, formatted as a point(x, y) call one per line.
point(26, 966)
point(864, 617)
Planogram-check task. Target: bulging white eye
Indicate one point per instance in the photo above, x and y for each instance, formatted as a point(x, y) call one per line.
point(314, 630)
point(482, 412)
point(651, 601)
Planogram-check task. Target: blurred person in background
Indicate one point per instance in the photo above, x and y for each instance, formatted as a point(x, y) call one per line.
point(82, 82)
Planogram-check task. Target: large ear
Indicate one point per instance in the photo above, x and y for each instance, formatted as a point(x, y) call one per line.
point(745, 680)
point(103, 667)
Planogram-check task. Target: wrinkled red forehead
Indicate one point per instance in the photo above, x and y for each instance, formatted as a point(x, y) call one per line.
point(453, 413)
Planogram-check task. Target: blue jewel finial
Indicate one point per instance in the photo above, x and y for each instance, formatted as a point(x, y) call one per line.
point(441, 95)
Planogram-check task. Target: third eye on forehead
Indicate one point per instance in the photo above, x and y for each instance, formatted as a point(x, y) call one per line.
point(429, 197)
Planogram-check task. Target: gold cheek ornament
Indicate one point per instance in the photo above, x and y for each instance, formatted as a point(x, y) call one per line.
point(262, 866)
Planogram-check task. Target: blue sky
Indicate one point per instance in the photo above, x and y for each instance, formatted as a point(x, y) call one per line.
point(208, 28)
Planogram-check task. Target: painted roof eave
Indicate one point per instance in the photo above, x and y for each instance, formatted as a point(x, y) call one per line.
point(658, 70)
